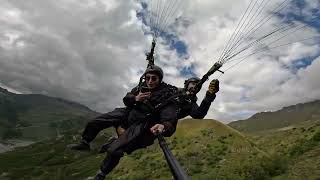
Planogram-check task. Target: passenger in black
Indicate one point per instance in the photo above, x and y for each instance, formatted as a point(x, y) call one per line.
point(118, 118)
point(188, 100)
point(144, 119)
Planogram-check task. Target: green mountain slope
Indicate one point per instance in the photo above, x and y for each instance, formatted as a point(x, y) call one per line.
point(299, 147)
point(287, 148)
point(292, 133)
point(207, 149)
point(35, 117)
point(283, 118)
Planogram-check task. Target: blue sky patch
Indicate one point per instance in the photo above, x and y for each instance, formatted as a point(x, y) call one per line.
point(304, 62)
point(298, 15)
point(171, 39)
point(244, 99)
point(188, 72)
point(176, 44)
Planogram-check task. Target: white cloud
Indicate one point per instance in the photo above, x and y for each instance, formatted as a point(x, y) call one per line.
point(92, 52)
point(83, 54)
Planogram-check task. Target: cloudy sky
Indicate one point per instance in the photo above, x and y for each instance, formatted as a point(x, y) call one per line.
point(93, 51)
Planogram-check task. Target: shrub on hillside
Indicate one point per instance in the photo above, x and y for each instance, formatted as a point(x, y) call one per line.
point(316, 136)
point(305, 145)
point(274, 165)
point(24, 123)
point(12, 133)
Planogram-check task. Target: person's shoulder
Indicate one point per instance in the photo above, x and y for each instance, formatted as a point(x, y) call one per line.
point(194, 98)
point(135, 89)
point(188, 98)
point(169, 86)
point(181, 90)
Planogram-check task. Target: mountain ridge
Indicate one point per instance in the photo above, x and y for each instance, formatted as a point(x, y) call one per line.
point(37, 116)
point(282, 118)
point(6, 91)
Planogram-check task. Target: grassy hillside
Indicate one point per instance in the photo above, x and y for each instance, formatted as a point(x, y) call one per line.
point(292, 134)
point(283, 118)
point(299, 146)
point(276, 145)
point(35, 117)
point(207, 149)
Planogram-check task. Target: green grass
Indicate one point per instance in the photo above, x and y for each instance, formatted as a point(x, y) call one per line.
point(206, 149)
point(299, 147)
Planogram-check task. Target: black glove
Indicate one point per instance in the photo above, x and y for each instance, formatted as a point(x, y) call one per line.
point(214, 86)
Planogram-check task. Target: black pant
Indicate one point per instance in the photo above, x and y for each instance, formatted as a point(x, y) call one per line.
point(113, 118)
point(135, 137)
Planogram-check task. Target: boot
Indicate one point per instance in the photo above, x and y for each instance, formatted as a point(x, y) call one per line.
point(99, 176)
point(105, 147)
point(82, 146)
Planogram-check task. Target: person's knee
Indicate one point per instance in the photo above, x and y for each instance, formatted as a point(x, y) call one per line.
point(115, 153)
point(100, 123)
point(120, 130)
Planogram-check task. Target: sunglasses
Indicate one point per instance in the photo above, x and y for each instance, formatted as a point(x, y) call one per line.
point(152, 78)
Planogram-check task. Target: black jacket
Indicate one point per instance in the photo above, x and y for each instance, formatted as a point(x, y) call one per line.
point(188, 106)
point(147, 114)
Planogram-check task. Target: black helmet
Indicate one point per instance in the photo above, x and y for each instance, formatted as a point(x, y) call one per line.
point(154, 70)
point(193, 79)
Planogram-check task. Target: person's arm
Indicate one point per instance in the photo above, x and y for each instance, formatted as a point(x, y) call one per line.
point(199, 112)
point(134, 97)
point(168, 121)
point(129, 100)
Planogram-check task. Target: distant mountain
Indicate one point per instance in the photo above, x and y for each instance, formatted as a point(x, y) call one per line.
point(285, 117)
point(36, 117)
